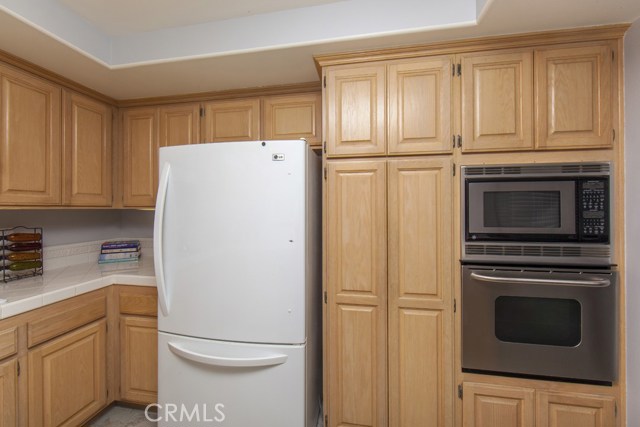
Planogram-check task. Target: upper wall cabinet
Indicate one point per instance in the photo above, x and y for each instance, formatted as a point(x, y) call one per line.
point(30, 149)
point(140, 160)
point(497, 100)
point(237, 120)
point(179, 124)
point(87, 151)
point(293, 117)
point(574, 96)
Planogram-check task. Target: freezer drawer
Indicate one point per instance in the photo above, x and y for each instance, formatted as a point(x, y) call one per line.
point(206, 382)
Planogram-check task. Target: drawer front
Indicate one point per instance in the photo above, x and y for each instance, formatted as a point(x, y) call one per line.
point(8, 342)
point(66, 316)
point(140, 301)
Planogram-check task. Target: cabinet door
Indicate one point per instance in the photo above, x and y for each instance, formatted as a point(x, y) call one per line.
point(30, 149)
point(497, 101)
point(574, 410)
point(232, 120)
point(355, 111)
point(497, 406)
point(140, 135)
point(87, 151)
point(8, 393)
point(420, 300)
point(67, 378)
point(179, 125)
point(139, 359)
point(357, 293)
point(420, 106)
point(293, 117)
point(574, 92)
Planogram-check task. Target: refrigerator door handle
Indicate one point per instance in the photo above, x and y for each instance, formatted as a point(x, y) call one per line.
point(269, 360)
point(163, 299)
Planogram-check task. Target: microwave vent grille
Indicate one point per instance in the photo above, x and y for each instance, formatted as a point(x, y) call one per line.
point(550, 169)
point(538, 251)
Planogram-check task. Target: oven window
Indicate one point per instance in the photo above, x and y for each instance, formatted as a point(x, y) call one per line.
point(546, 321)
point(522, 209)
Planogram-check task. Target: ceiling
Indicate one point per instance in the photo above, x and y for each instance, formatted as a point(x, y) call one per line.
point(142, 48)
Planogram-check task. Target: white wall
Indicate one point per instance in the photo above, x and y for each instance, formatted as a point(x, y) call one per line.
point(62, 227)
point(632, 215)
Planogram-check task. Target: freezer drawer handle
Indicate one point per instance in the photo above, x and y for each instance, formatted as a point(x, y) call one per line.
point(275, 359)
point(163, 299)
point(595, 282)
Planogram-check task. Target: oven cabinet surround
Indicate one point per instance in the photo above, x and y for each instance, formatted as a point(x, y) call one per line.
point(388, 330)
point(509, 406)
point(543, 97)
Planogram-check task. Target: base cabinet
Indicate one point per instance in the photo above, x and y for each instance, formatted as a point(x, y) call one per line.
point(8, 393)
point(139, 359)
point(574, 410)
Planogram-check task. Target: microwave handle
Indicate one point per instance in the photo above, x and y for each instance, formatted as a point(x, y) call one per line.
point(596, 282)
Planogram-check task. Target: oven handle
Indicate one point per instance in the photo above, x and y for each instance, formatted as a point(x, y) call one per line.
point(596, 282)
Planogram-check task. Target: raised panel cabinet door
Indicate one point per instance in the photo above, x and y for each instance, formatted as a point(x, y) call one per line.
point(87, 151)
point(355, 111)
point(67, 378)
point(140, 157)
point(179, 125)
point(574, 410)
point(139, 359)
point(497, 101)
point(420, 106)
point(30, 148)
point(357, 293)
point(8, 393)
point(574, 97)
point(237, 120)
point(293, 117)
point(420, 301)
point(497, 406)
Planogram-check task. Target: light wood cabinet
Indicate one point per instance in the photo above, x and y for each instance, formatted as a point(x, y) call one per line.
point(293, 117)
point(498, 406)
point(420, 292)
point(420, 107)
point(67, 377)
point(574, 410)
point(179, 125)
point(574, 96)
point(8, 393)
point(140, 159)
point(237, 120)
point(30, 148)
point(139, 359)
point(357, 293)
point(87, 126)
point(355, 119)
point(497, 100)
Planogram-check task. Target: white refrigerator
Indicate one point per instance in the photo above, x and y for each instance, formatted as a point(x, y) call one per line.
point(237, 258)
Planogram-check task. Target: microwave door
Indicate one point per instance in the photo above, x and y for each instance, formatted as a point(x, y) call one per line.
point(520, 208)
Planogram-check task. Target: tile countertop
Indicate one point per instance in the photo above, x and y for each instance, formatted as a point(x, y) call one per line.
point(67, 281)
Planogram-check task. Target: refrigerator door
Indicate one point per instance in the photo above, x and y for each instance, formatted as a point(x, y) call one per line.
point(230, 241)
point(229, 384)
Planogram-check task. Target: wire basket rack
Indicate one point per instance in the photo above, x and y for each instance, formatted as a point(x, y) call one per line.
point(20, 253)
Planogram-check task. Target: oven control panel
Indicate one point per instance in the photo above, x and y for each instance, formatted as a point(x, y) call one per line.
point(594, 209)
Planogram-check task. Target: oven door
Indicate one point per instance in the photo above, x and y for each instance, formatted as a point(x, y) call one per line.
point(538, 322)
point(523, 210)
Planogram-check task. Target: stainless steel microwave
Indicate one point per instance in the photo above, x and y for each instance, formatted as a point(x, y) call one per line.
point(551, 214)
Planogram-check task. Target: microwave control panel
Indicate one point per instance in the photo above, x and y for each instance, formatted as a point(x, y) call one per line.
point(594, 209)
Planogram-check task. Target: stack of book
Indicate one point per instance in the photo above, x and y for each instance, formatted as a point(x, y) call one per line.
point(119, 251)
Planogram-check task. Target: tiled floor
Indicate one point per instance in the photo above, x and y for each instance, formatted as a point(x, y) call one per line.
point(120, 416)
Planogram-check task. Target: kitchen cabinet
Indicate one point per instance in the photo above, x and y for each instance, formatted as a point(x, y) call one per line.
point(574, 410)
point(497, 406)
point(30, 147)
point(293, 117)
point(497, 100)
point(140, 140)
point(574, 87)
point(138, 344)
point(235, 120)
point(87, 148)
point(67, 377)
point(179, 124)
point(8, 393)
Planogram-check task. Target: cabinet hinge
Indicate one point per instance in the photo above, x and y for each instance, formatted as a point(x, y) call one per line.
point(454, 169)
point(613, 131)
point(324, 147)
point(324, 81)
point(325, 297)
point(325, 174)
point(459, 141)
point(201, 111)
point(459, 391)
point(613, 55)
point(615, 409)
point(453, 140)
point(326, 421)
point(453, 69)
point(455, 305)
point(459, 69)
point(18, 369)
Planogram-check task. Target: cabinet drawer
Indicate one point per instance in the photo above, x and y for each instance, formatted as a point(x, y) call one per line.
point(8, 342)
point(139, 301)
point(66, 316)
